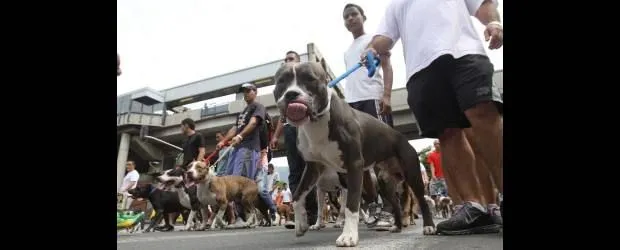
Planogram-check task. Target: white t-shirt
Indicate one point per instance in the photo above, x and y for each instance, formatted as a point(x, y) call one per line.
point(432, 28)
point(131, 176)
point(422, 168)
point(272, 178)
point(359, 86)
point(286, 195)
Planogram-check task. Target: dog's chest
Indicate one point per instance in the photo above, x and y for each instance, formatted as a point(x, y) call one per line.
point(315, 145)
point(183, 198)
point(205, 196)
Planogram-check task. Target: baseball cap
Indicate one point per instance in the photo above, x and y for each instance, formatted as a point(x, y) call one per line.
point(246, 86)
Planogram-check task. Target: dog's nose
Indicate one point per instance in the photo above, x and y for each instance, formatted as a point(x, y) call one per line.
point(291, 95)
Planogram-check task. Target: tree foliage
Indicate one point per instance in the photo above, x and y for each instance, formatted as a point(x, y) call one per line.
point(423, 155)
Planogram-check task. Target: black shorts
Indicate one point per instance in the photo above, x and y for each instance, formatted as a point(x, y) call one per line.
point(372, 108)
point(439, 94)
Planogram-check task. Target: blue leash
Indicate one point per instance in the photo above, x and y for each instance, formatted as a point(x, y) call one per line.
point(372, 67)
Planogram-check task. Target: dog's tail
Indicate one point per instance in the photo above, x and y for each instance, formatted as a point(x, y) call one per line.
point(410, 163)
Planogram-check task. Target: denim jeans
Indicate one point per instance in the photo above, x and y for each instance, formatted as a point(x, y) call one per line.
point(263, 191)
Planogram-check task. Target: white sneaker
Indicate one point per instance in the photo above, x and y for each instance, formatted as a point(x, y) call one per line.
point(386, 220)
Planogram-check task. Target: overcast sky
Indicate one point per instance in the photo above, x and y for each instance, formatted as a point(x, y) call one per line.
point(164, 43)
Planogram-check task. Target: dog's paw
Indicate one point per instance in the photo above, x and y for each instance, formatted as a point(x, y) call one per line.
point(301, 227)
point(429, 230)
point(395, 229)
point(202, 227)
point(347, 239)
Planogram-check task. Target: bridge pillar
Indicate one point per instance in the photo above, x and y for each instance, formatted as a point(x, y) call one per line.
point(121, 160)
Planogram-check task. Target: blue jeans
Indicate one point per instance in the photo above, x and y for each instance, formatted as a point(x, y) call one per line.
point(243, 162)
point(263, 191)
point(438, 187)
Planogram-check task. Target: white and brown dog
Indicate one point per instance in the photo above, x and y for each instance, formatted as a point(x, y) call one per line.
point(332, 136)
point(218, 191)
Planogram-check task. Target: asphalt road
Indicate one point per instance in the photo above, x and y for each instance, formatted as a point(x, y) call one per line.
point(281, 238)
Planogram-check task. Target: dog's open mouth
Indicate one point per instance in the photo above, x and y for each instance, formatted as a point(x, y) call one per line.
point(189, 180)
point(296, 111)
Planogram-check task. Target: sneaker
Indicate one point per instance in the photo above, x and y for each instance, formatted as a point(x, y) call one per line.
point(373, 209)
point(495, 213)
point(385, 221)
point(289, 224)
point(468, 219)
point(456, 208)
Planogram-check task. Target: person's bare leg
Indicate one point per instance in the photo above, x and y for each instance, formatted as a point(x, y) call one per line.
point(453, 192)
point(487, 126)
point(458, 160)
point(482, 172)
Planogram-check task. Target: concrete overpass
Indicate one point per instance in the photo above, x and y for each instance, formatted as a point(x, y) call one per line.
point(147, 108)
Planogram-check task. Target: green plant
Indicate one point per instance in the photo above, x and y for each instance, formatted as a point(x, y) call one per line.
point(423, 155)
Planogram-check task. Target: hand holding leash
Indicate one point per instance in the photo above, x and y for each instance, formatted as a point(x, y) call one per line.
point(372, 68)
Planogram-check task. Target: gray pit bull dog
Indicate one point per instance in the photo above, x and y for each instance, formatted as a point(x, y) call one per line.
point(332, 136)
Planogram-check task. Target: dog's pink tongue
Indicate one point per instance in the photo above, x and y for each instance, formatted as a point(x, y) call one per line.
point(296, 111)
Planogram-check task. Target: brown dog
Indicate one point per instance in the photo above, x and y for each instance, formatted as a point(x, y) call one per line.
point(407, 201)
point(218, 191)
point(285, 212)
point(391, 181)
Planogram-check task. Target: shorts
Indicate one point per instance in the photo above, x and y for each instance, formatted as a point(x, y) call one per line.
point(372, 108)
point(439, 94)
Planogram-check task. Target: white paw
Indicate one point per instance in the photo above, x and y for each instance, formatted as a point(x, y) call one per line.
point(316, 227)
point(301, 219)
point(429, 230)
point(217, 223)
point(347, 239)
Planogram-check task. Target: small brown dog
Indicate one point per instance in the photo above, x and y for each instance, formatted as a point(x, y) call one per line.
point(408, 203)
point(391, 180)
point(285, 212)
point(218, 191)
point(444, 205)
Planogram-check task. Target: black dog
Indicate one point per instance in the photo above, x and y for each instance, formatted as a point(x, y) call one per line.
point(187, 194)
point(164, 203)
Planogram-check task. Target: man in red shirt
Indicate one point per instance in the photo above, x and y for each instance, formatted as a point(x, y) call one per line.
point(438, 182)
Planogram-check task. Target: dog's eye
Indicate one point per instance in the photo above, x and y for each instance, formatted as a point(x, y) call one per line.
point(306, 77)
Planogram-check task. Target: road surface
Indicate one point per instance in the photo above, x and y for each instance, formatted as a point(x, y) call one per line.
point(279, 237)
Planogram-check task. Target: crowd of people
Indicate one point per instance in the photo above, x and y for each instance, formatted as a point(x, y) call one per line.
point(450, 92)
